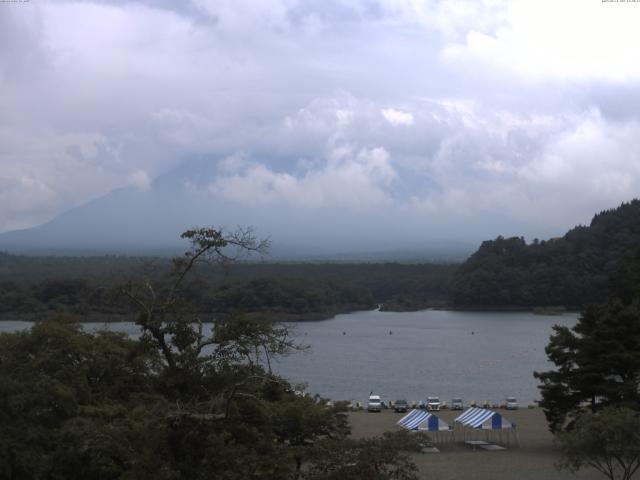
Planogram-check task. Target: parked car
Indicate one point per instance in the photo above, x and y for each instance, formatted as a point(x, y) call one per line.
point(457, 404)
point(374, 404)
point(400, 406)
point(433, 404)
point(512, 403)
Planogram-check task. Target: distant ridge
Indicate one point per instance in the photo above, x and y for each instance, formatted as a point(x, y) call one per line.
point(570, 271)
point(120, 221)
point(131, 221)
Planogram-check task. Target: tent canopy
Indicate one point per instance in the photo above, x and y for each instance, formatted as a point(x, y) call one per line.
point(483, 419)
point(423, 421)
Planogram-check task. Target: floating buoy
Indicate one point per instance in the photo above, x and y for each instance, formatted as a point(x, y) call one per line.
point(344, 333)
point(390, 332)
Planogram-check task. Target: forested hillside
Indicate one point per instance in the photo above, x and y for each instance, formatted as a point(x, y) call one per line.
point(570, 271)
point(33, 287)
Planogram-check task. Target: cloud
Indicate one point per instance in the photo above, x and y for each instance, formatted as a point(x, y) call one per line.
point(453, 19)
point(140, 180)
point(569, 40)
point(242, 17)
point(348, 178)
point(426, 112)
point(397, 117)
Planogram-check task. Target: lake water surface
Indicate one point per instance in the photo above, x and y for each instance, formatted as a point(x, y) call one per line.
point(475, 355)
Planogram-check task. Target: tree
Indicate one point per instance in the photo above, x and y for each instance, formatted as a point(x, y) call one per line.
point(598, 360)
point(572, 270)
point(176, 403)
point(76, 405)
point(598, 363)
point(608, 440)
point(161, 313)
point(384, 458)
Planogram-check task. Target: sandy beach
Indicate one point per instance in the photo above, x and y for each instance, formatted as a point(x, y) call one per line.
point(534, 459)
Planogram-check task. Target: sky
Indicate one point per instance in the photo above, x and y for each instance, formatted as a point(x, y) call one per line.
point(402, 118)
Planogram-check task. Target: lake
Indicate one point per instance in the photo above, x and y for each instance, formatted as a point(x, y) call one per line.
point(474, 355)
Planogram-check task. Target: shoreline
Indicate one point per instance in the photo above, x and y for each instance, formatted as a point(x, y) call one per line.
point(97, 317)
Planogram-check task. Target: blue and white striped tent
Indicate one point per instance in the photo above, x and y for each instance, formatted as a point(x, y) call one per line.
point(475, 421)
point(483, 419)
point(423, 421)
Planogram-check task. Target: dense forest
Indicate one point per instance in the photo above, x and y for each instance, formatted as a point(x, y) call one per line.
point(571, 271)
point(32, 287)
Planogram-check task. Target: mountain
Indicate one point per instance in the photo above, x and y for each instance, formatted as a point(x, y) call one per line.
point(571, 271)
point(149, 222)
point(127, 220)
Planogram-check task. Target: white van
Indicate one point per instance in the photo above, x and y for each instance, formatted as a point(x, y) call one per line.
point(433, 404)
point(374, 404)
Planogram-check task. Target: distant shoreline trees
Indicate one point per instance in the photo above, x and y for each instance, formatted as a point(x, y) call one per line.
point(290, 292)
point(506, 273)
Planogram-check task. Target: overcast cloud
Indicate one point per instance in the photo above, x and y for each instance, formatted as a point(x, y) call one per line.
point(523, 116)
